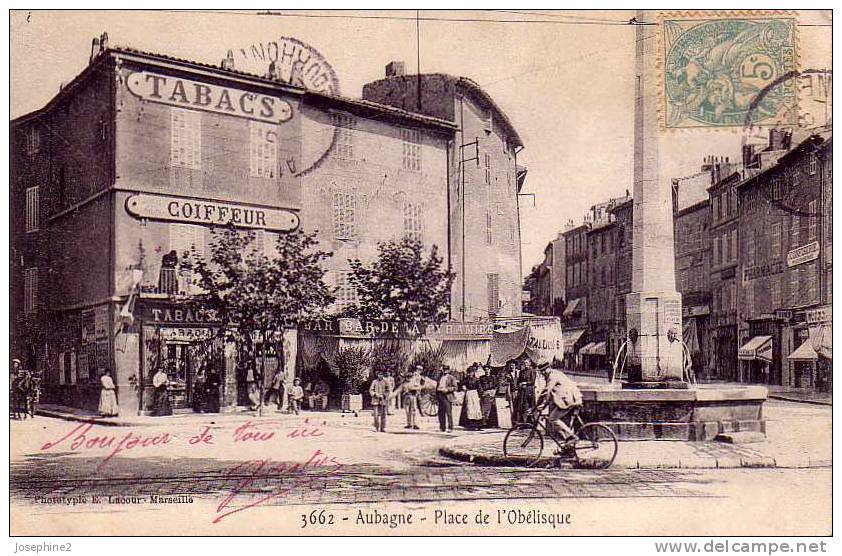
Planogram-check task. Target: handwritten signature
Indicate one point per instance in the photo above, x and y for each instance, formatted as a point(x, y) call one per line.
point(294, 475)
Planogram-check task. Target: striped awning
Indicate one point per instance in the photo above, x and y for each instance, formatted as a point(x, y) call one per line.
point(572, 306)
point(758, 348)
point(570, 338)
point(593, 348)
point(805, 352)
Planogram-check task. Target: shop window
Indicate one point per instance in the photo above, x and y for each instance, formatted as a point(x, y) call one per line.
point(32, 209)
point(263, 152)
point(413, 221)
point(186, 138)
point(30, 290)
point(344, 215)
point(344, 125)
point(411, 142)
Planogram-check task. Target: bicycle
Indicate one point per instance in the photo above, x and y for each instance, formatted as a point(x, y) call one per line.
point(593, 445)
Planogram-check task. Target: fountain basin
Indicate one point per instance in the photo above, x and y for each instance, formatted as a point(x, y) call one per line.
point(693, 414)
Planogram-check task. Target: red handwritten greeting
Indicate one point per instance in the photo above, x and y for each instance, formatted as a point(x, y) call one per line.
point(80, 438)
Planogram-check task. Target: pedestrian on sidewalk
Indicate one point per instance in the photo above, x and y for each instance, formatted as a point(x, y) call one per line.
point(471, 415)
point(380, 392)
point(108, 396)
point(296, 396)
point(212, 387)
point(162, 396)
point(411, 392)
point(392, 403)
point(445, 395)
point(276, 389)
point(525, 391)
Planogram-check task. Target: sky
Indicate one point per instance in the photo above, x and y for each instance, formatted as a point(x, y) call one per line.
point(564, 78)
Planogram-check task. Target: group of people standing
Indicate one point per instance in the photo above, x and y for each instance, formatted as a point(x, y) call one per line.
point(482, 385)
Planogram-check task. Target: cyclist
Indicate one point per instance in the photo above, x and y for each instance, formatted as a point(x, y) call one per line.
point(562, 396)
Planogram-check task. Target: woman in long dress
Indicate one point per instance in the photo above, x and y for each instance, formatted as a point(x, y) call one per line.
point(108, 396)
point(162, 398)
point(471, 416)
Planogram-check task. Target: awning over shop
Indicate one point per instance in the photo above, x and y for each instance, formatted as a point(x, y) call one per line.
point(759, 347)
point(597, 348)
point(821, 338)
point(586, 349)
point(573, 306)
point(570, 339)
point(805, 352)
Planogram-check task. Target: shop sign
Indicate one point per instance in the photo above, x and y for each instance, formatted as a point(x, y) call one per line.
point(184, 93)
point(763, 270)
point(820, 314)
point(803, 254)
point(88, 326)
point(728, 273)
point(696, 310)
point(443, 331)
point(181, 315)
point(186, 334)
point(783, 314)
point(192, 211)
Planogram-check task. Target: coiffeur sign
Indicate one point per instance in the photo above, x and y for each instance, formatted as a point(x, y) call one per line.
point(212, 98)
point(193, 211)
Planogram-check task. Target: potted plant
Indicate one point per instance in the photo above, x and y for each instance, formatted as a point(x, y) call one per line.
point(353, 367)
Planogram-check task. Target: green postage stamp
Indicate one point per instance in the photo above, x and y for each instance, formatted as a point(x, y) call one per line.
point(728, 69)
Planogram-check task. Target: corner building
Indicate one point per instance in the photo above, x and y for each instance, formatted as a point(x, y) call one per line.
point(142, 154)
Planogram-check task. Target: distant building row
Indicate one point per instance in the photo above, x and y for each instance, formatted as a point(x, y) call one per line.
point(753, 264)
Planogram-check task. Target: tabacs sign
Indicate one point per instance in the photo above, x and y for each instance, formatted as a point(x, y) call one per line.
point(185, 93)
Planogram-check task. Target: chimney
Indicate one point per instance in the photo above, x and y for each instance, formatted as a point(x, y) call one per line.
point(395, 69)
point(228, 61)
point(94, 49)
point(103, 41)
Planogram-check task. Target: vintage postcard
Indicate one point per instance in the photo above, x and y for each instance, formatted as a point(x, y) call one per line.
point(432, 273)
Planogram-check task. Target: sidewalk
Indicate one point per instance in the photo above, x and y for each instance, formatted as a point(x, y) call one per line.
point(786, 393)
point(270, 415)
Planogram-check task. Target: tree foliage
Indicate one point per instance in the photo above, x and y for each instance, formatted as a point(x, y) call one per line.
point(402, 284)
point(257, 296)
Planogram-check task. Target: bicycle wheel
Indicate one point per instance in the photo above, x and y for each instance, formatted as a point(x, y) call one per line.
point(524, 443)
point(428, 404)
point(595, 446)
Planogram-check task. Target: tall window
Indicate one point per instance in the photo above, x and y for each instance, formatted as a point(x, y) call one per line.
point(346, 293)
point(794, 231)
point(413, 221)
point(263, 152)
point(30, 290)
point(814, 163)
point(411, 139)
point(185, 238)
point(716, 243)
point(777, 248)
point(344, 215)
point(33, 141)
point(32, 209)
point(493, 293)
point(734, 244)
point(489, 235)
point(345, 125)
point(186, 138)
point(487, 166)
point(775, 288)
point(812, 206)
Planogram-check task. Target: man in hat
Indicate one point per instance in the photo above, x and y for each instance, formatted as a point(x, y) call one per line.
point(445, 395)
point(411, 392)
point(380, 392)
point(525, 391)
point(563, 396)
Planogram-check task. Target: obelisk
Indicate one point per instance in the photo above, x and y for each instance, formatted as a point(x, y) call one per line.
point(653, 309)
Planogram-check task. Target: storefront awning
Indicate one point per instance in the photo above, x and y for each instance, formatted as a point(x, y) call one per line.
point(759, 347)
point(570, 339)
point(586, 348)
point(597, 348)
point(805, 352)
point(572, 306)
point(821, 338)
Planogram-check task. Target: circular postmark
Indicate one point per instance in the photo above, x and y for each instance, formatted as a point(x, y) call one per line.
point(714, 69)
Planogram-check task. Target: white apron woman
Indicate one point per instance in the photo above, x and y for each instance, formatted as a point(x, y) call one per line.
point(108, 396)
